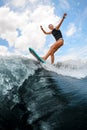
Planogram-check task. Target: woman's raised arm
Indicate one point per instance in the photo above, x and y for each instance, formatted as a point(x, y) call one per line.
point(64, 16)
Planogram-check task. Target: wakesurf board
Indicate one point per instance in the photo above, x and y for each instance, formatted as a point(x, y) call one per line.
point(33, 52)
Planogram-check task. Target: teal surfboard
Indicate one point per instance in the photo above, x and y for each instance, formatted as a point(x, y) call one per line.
point(32, 51)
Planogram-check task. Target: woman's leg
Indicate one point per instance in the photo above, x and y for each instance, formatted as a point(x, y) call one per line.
point(52, 58)
point(53, 49)
point(48, 54)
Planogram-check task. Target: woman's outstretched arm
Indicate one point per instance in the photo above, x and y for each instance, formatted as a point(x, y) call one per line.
point(64, 16)
point(45, 31)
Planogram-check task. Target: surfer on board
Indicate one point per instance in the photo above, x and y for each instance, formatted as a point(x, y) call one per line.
point(58, 37)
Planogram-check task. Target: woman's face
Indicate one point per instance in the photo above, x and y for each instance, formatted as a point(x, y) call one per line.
point(50, 26)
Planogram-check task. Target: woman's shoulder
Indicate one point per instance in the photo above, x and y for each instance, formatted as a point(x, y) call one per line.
point(54, 30)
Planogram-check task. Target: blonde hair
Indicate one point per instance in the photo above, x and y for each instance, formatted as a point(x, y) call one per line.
point(50, 25)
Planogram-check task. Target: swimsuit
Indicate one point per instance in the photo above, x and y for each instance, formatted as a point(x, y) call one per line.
point(57, 34)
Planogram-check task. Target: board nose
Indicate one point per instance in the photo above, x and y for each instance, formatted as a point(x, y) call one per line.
point(30, 49)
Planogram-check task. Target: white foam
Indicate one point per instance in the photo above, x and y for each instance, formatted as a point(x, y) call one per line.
point(14, 70)
point(73, 68)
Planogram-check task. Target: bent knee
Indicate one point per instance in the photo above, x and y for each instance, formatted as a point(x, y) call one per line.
point(62, 43)
point(52, 47)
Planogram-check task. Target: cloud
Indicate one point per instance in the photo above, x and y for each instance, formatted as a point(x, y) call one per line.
point(72, 54)
point(18, 3)
point(64, 4)
point(9, 22)
point(3, 50)
point(28, 22)
point(71, 29)
point(26, 4)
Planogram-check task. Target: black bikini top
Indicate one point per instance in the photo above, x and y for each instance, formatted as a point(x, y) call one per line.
point(57, 34)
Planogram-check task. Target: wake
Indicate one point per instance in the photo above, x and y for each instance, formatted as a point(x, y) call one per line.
point(72, 68)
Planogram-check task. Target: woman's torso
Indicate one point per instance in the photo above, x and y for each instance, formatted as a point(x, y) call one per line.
point(57, 34)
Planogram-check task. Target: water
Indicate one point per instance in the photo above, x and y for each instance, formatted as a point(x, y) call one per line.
point(72, 68)
point(39, 96)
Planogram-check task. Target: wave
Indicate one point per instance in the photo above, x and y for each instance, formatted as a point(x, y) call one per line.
point(72, 68)
point(14, 70)
point(34, 98)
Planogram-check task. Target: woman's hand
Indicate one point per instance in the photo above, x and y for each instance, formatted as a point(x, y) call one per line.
point(45, 31)
point(65, 14)
point(41, 27)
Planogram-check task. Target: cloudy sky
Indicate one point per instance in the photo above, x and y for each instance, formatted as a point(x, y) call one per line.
point(20, 22)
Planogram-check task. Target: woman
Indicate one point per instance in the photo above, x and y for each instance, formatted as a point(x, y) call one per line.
point(58, 37)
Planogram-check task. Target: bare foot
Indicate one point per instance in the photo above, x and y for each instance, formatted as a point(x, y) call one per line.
point(43, 58)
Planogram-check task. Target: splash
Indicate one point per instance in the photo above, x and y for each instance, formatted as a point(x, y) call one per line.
point(14, 70)
point(72, 68)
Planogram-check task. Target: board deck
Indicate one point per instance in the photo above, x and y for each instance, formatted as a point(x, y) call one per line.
point(32, 51)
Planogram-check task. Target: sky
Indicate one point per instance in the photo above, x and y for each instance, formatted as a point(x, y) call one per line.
point(20, 22)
